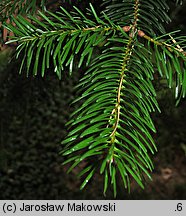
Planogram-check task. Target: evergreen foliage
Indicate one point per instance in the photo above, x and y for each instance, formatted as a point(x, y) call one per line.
point(112, 129)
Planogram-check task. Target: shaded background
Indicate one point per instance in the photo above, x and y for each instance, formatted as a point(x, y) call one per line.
point(33, 113)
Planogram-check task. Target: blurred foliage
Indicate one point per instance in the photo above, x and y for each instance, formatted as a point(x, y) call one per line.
point(32, 117)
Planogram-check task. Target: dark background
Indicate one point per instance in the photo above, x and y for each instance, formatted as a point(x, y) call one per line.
point(33, 113)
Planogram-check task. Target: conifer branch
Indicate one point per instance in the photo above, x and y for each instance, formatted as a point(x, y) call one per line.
point(111, 129)
point(127, 56)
